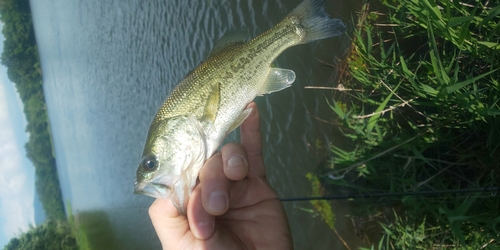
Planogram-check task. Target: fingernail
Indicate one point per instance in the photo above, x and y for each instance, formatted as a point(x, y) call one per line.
point(235, 161)
point(217, 202)
point(204, 230)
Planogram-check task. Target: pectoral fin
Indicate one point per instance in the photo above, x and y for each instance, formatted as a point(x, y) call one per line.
point(277, 80)
point(241, 118)
point(212, 105)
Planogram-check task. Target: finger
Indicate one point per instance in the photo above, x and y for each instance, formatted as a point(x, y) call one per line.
point(168, 224)
point(201, 223)
point(235, 162)
point(214, 186)
point(252, 142)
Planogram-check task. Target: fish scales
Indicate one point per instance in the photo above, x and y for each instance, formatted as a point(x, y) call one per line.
point(249, 62)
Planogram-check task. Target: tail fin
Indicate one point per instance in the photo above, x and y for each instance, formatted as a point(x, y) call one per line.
point(315, 22)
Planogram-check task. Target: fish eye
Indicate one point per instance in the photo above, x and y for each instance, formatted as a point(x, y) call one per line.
point(149, 163)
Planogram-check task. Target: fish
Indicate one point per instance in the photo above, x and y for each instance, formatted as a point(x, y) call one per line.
point(211, 100)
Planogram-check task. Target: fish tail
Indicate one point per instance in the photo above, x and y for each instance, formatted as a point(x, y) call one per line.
point(313, 23)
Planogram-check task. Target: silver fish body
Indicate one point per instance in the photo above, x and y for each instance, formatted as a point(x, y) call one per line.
point(210, 101)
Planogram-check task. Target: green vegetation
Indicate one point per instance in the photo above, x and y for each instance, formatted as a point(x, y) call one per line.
point(50, 235)
point(419, 104)
point(322, 206)
point(20, 56)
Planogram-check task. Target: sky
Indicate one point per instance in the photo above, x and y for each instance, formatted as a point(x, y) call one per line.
point(17, 174)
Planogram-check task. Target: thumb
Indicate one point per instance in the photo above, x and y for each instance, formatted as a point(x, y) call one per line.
point(169, 225)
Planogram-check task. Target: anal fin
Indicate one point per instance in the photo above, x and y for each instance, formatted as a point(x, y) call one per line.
point(278, 79)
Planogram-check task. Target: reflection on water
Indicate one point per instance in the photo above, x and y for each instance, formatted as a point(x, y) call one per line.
point(97, 229)
point(107, 67)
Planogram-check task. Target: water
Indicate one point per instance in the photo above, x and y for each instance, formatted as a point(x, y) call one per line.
point(107, 67)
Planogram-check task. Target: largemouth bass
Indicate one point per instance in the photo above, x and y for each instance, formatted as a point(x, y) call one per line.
point(210, 101)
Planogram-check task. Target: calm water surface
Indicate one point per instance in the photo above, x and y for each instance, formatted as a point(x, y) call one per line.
point(109, 64)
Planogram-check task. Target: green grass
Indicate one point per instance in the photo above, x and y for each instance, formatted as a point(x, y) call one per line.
point(423, 115)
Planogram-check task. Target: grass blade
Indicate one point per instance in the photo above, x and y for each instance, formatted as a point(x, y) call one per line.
point(373, 120)
point(450, 89)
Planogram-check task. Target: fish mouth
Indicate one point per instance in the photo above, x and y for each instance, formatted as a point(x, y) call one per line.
point(155, 190)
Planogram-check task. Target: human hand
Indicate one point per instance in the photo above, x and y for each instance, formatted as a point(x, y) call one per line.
point(232, 207)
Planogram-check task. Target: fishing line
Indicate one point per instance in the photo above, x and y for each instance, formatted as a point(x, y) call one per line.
point(494, 190)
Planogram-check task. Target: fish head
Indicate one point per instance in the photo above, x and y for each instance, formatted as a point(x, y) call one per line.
point(173, 155)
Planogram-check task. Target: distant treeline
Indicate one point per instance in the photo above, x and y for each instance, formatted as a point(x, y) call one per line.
point(20, 56)
point(50, 235)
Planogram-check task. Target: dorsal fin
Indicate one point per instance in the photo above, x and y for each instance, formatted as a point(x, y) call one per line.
point(230, 38)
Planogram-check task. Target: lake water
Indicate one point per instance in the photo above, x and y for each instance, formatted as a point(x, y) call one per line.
point(107, 67)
